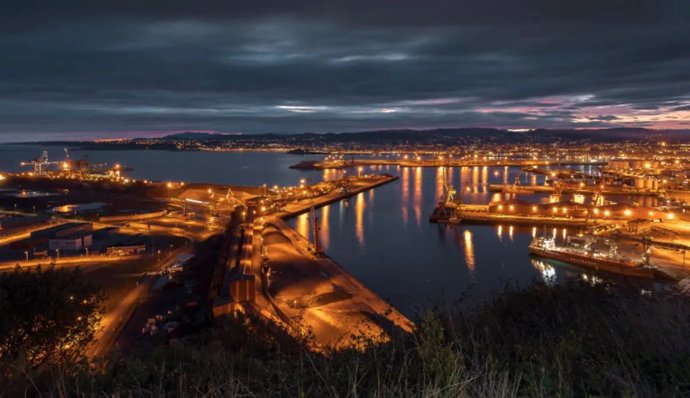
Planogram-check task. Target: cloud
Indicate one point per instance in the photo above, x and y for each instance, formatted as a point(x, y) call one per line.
point(275, 66)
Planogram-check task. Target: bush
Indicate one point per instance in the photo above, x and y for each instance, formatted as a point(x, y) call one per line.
point(568, 341)
point(45, 316)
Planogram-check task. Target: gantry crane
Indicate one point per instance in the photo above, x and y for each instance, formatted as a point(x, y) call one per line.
point(40, 163)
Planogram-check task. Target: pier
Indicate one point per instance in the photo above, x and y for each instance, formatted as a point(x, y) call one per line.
point(355, 185)
point(434, 162)
point(320, 296)
point(271, 270)
point(586, 189)
point(493, 218)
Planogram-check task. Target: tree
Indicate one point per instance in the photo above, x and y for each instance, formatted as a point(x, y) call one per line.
point(46, 314)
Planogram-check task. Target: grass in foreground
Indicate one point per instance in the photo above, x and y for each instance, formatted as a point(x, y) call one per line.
point(571, 341)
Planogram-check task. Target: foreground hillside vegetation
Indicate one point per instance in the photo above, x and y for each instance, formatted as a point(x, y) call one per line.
point(569, 340)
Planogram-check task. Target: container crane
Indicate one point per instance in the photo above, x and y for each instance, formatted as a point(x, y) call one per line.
point(40, 163)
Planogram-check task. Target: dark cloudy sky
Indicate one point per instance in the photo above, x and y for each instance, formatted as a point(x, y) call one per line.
point(141, 67)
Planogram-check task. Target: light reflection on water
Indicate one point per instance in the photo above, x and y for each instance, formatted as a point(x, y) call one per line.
point(359, 222)
point(406, 261)
point(405, 188)
point(469, 250)
point(389, 244)
point(324, 233)
point(418, 195)
point(547, 271)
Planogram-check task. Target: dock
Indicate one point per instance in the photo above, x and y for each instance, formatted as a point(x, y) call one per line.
point(357, 186)
point(590, 190)
point(301, 291)
point(341, 164)
point(320, 297)
point(479, 214)
point(491, 218)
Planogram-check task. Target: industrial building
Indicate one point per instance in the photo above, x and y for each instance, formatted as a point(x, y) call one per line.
point(71, 236)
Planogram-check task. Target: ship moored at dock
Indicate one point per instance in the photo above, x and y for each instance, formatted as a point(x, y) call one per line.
point(588, 257)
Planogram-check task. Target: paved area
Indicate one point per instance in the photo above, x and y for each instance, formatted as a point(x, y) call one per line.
point(322, 297)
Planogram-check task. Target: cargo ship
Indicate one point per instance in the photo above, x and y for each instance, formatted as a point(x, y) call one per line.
point(587, 257)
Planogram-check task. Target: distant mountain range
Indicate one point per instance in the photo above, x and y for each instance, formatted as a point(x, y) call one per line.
point(596, 135)
point(193, 140)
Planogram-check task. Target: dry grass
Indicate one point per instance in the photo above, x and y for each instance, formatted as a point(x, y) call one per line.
point(565, 341)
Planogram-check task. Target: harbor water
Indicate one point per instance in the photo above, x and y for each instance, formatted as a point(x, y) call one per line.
point(382, 236)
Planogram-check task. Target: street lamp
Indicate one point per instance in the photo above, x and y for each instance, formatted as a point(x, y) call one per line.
point(26, 254)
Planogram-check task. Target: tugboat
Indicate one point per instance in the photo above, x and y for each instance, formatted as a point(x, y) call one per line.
point(588, 257)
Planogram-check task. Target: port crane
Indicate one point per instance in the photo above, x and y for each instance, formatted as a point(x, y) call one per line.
point(448, 189)
point(514, 188)
point(590, 210)
point(234, 200)
point(40, 164)
point(447, 208)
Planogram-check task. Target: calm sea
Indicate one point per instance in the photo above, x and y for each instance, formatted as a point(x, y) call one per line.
point(382, 236)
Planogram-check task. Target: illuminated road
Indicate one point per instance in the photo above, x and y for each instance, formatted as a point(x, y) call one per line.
point(87, 260)
point(114, 320)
